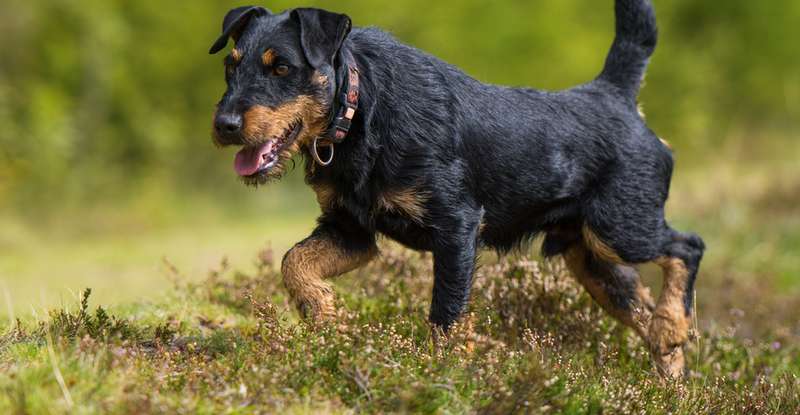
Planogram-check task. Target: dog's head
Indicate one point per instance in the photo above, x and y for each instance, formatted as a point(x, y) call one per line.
point(281, 85)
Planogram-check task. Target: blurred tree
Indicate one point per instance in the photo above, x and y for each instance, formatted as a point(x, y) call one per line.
point(103, 97)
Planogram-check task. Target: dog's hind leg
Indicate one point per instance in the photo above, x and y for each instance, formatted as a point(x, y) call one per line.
point(616, 287)
point(327, 253)
point(679, 257)
point(669, 329)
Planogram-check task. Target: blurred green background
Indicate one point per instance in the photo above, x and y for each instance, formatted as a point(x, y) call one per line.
point(106, 165)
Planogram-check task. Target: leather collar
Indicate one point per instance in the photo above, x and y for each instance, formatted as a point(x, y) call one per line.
point(345, 105)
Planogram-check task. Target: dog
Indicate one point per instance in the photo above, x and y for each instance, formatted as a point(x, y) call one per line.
point(398, 143)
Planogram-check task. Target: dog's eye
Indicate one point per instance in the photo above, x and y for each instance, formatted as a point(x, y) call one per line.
point(280, 70)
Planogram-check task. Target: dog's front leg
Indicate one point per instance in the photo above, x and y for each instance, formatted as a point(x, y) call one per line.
point(327, 253)
point(453, 266)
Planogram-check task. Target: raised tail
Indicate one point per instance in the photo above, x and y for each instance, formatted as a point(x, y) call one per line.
point(635, 42)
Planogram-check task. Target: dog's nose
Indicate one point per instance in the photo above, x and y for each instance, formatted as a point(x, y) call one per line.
point(228, 123)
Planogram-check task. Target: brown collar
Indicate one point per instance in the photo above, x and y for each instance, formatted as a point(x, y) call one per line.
point(347, 98)
point(348, 104)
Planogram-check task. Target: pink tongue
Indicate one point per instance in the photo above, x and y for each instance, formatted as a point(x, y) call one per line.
point(249, 159)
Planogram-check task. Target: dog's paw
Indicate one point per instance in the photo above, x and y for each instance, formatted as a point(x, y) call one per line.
point(667, 339)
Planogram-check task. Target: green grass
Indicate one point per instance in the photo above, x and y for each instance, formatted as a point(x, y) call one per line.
point(228, 344)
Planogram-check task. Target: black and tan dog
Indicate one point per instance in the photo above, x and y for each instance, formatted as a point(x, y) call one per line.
point(402, 144)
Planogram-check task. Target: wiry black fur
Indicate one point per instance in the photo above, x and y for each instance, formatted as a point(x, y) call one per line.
point(522, 162)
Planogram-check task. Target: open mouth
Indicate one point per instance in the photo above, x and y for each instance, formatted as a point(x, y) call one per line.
point(253, 160)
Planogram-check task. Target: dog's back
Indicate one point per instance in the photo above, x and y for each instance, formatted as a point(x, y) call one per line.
point(537, 157)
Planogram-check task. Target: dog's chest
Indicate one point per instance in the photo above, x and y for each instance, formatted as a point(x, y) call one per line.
point(400, 214)
point(404, 230)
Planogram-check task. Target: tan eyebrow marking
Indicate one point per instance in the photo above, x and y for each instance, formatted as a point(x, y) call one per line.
point(320, 79)
point(236, 55)
point(269, 57)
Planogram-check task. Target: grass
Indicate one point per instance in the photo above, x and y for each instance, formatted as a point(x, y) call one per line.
point(228, 344)
point(120, 250)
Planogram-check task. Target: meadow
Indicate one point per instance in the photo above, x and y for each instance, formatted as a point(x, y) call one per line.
point(138, 275)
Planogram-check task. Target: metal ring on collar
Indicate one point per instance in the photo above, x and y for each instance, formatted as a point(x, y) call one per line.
point(315, 153)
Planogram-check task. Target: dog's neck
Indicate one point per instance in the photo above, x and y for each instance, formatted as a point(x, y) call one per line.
point(351, 101)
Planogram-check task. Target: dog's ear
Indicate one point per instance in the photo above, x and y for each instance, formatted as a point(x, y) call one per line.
point(321, 34)
point(234, 23)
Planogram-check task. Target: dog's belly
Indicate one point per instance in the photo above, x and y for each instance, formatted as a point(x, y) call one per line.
point(507, 237)
point(508, 226)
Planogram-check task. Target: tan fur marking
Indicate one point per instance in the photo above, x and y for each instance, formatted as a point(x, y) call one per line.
point(410, 202)
point(262, 122)
point(268, 58)
point(236, 55)
point(320, 79)
point(326, 196)
point(482, 227)
point(669, 330)
point(599, 247)
point(308, 264)
point(646, 298)
point(637, 318)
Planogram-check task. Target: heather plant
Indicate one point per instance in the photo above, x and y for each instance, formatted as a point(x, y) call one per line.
point(533, 343)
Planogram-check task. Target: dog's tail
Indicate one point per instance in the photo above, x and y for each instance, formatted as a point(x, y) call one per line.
point(634, 44)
